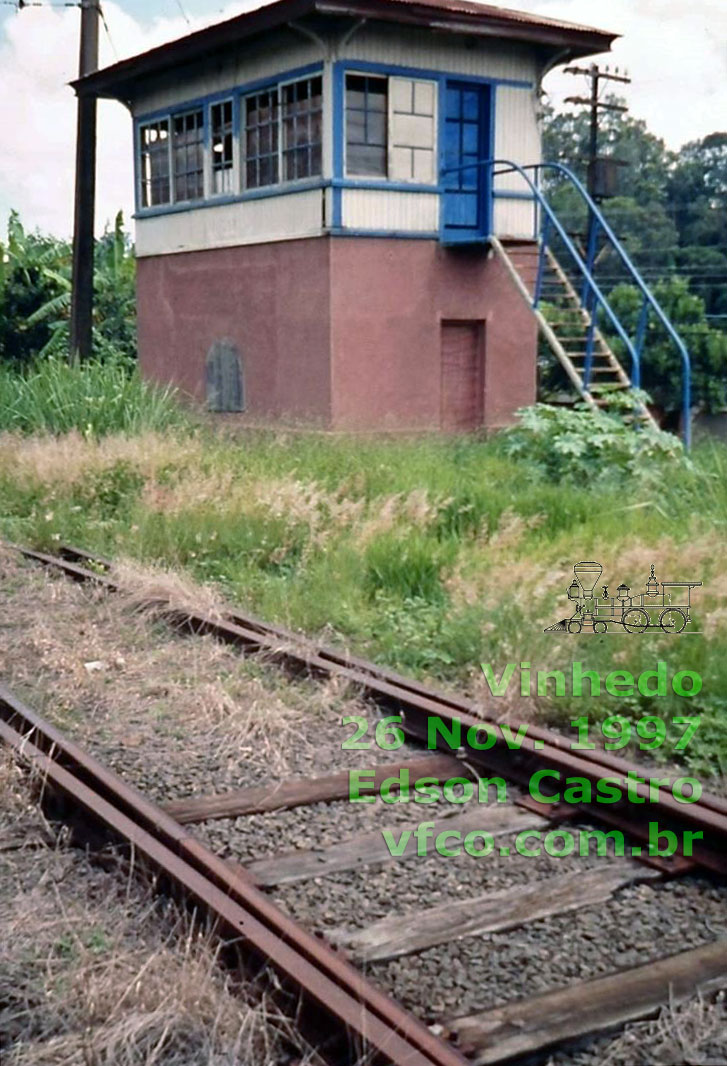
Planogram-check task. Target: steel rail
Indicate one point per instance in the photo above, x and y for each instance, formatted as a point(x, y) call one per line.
point(384, 673)
point(321, 974)
point(540, 748)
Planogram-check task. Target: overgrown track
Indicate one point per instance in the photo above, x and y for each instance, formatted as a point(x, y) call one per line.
point(244, 912)
point(416, 703)
point(346, 1015)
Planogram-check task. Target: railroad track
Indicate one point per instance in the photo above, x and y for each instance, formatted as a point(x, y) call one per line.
point(343, 1014)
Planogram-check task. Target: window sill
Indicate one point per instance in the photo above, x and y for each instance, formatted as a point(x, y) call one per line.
point(384, 185)
point(287, 188)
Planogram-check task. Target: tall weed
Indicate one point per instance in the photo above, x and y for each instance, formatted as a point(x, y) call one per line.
point(94, 398)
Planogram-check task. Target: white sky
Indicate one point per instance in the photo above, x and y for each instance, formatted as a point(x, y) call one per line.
point(675, 51)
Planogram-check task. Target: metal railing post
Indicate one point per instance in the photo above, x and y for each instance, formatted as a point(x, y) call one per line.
point(585, 264)
point(541, 261)
point(641, 328)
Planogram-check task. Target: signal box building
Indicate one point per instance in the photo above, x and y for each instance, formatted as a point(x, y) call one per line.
point(312, 227)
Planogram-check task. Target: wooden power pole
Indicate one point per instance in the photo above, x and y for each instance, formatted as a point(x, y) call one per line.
point(81, 339)
point(595, 105)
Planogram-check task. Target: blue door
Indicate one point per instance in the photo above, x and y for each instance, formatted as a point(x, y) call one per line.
point(466, 140)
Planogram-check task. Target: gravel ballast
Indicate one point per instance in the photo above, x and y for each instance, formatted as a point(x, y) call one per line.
point(181, 716)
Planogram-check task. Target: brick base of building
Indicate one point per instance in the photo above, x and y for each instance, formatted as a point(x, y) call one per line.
point(343, 333)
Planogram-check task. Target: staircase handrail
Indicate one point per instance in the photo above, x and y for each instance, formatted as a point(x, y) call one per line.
point(635, 275)
point(540, 199)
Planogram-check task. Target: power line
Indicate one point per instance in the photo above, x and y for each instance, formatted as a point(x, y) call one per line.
point(108, 31)
point(596, 177)
point(184, 13)
point(20, 4)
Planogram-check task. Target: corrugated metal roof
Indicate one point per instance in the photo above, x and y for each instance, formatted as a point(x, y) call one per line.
point(461, 16)
point(494, 11)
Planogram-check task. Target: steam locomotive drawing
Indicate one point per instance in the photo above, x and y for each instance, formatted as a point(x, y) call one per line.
point(663, 605)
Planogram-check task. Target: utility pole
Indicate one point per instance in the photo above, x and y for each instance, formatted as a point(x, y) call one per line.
point(81, 339)
point(596, 184)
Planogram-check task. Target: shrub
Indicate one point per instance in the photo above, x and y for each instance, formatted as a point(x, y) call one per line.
point(586, 445)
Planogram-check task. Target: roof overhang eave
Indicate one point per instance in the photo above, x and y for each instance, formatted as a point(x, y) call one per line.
point(115, 82)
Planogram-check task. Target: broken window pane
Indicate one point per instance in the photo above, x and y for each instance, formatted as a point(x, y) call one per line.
point(223, 161)
point(154, 162)
point(188, 155)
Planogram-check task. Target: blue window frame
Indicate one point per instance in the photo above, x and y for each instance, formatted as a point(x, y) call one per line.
point(284, 133)
point(302, 140)
point(232, 145)
point(154, 163)
point(222, 155)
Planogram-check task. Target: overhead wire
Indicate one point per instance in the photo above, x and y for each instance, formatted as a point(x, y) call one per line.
point(183, 12)
point(108, 31)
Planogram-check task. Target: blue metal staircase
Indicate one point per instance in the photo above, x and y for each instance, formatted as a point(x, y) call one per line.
point(571, 304)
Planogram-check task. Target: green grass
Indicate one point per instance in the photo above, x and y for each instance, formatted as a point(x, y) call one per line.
point(431, 555)
point(94, 399)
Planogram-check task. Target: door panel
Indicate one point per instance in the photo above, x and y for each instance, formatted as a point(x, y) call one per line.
point(462, 397)
point(466, 140)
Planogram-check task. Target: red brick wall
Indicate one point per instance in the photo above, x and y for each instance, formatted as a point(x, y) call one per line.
point(388, 299)
point(337, 331)
point(270, 300)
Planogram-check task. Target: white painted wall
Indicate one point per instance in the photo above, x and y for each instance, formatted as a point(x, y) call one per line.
point(517, 131)
point(271, 218)
point(513, 218)
point(411, 46)
point(288, 217)
point(377, 209)
point(284, 50)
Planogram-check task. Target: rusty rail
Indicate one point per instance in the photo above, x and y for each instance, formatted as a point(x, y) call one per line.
point(417, 703)
point(361, 1015)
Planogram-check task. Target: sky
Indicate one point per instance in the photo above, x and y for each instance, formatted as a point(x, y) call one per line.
point(674, 50)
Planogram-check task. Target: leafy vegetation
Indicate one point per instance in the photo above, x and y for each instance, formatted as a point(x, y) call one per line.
point(35, 295)
point(578, 443)
point(662, 376)
point(670, 208)
point(669, 215)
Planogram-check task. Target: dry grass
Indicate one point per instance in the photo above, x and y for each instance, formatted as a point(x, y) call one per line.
point(70, 458)
point(155, 589)
point(13, 795)
point(402, 510)
point(102, 668)
point(114, 674)
point(95, 972)
point(693, 1033)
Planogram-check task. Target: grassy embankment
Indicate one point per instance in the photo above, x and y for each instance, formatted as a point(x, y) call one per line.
point(431, 555)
